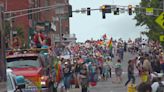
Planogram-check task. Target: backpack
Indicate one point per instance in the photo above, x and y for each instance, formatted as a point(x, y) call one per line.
point(160, 87)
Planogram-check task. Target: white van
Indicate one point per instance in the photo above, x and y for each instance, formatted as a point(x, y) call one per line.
point(14, 82)
point(11, 85)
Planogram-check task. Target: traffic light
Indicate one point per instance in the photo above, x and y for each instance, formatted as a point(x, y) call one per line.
point(106, 8)
point(116, 12)
point(103, 15)
point(70, 10)
point(88, 11)
point(130, 9)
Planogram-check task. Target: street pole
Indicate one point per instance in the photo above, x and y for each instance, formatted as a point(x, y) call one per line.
point(2, 49)
point(11, 33)
point(60, 29)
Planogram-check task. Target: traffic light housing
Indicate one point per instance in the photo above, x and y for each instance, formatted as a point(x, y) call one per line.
point(130, 10)
point(70, 10)
point(88, 11)
point(116, 12)
point(106, 9)
point(103, 15)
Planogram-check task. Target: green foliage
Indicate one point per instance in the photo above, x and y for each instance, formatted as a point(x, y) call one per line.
point(142, 19)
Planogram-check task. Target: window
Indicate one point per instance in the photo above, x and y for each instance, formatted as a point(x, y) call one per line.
point(58, 1)
point(47, 2)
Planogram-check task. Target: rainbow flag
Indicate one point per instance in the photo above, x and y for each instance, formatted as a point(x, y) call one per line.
point(36, 80)
point(39, 86)
point(109, 44)
point(58, 72)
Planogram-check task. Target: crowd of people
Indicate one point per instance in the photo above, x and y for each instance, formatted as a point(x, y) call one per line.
point(84, 64)
point(151, 68)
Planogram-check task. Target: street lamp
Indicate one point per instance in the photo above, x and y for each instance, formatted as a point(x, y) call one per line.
point(61, 15)
point(2, 47)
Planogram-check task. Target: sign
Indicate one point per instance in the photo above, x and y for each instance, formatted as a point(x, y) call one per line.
point(59, 10)
point(83, 10)
point(160, 20)
point(122, 10)
point(161, 38)
point(149, 11)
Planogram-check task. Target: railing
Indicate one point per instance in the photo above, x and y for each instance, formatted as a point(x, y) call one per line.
point(66, 35)
point(68, 38)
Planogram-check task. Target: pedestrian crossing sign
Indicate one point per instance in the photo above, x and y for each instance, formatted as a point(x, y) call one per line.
point(160, 20)
point(161, 38)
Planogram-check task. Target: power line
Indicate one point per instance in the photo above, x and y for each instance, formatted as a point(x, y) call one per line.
point(27, 13)
point(40, 9)
point(23, 10)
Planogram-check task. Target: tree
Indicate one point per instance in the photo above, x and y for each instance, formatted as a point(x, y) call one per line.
point(142, 19)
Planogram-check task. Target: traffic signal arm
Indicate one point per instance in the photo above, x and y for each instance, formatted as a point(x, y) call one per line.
point(88, 11)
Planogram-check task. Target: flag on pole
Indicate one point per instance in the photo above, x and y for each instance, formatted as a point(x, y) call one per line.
point(37, 81)
point(58, 72)
point(104, 36)
point(110, 43)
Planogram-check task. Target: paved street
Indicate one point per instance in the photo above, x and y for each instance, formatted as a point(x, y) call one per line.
point(108, 86)
point(2, 87)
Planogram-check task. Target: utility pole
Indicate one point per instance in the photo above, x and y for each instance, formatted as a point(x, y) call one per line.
point(11, 33)
point(60, 29)
point(2, 45)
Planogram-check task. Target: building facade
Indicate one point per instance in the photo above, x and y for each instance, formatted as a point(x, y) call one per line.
point(27, 23)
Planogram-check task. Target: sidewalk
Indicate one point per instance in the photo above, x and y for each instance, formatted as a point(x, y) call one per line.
point(3, 87)
point(75, 90)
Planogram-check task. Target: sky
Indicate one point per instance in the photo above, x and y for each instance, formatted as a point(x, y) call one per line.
point(93, 26)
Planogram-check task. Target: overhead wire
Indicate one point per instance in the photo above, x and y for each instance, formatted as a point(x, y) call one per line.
point(23, 10)
point(40, 9)
point(32, 12)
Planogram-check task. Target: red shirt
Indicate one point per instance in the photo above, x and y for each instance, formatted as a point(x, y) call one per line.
point(36, 38)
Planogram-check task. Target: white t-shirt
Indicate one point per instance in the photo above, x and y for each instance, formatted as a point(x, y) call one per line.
point(155, 85)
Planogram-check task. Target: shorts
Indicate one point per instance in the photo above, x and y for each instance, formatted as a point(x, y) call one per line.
point(118, 72)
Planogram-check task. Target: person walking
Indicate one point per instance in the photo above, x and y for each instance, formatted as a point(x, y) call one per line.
point(67, 75)
point(147, 69)
point(110, 64)
point(118, 71)
point(105, 70)
point(130, 72)
point(84, 78)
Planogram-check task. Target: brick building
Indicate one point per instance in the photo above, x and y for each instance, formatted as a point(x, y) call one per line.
point(27, 23)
